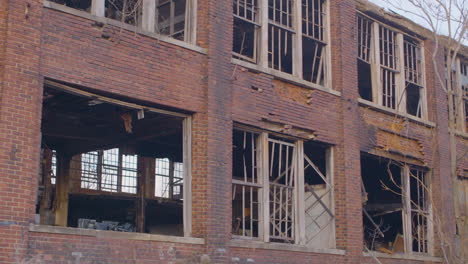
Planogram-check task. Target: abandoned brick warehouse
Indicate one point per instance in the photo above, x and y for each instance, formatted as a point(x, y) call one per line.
point(225, 131)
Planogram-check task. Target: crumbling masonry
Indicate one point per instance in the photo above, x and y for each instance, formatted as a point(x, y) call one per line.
point(224, 131)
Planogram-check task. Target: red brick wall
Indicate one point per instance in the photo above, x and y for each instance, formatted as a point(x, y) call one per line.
point(110, 60)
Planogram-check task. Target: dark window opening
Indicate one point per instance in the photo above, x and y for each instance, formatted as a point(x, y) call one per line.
point(413, 99)
point(126, 11)
point(313, 61)
point(244, 40)
point(114, 167)
point(84, 5)
point(364, 80)
point(280, 49)
point(382, 204)
point(170, 18)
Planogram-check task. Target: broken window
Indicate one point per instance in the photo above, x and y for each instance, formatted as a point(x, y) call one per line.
point(246, 184)
point(168, 179)
point(280, 35)
point(390, 67)
point(266, 176)
point(313, 41)
point(282, 181)
point(127, 11)
point(84, 5)
point(318, 196)
point(170, 18)
point(396, 212)
point(245, 29)
point(119, 166)
point(290, 42)
point(107, 170)
point(364, 57)
point(413, 76)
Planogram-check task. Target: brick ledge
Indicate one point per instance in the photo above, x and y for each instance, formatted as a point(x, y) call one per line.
point(113, 234)
point(402, 256)
point(284, 76)
point(386, 110)
point(242, 243)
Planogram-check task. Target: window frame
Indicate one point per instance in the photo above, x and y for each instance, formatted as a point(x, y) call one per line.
point(398, 71)
point(263, 141)
point(148, 21)
point(262, 44)
point(461, 110)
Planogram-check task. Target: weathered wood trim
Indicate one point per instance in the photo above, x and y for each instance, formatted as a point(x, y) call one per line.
point(187, 163)
point(244, 243)
point(113, 234)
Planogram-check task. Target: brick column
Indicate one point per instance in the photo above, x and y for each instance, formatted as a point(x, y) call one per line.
point(219, 127)
point(348, 169)
point(20, 108)
point(442, 185)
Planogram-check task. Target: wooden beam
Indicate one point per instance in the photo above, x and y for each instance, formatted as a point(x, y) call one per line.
point(62, 189)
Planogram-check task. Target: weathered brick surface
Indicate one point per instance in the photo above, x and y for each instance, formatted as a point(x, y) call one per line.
point(106, 59)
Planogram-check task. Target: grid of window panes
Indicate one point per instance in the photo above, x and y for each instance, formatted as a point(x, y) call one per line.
point(161, 185)
point(110, 170)
point(89, 170)
point(129, 173)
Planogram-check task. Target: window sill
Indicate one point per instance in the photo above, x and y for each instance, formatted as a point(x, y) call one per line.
point(113, 234)
point(243, 243)
point(403, 256)
point(461, 134)
point(105, 20)
point(386, 110)
point(283, 76)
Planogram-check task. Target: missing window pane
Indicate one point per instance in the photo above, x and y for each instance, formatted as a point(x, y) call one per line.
point(364, 80)
point(244, 39)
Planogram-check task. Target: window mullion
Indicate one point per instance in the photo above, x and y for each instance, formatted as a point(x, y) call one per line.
point(149, 15)
point(297, 41)
point(300, 236)
point(376, 79)
point(187, 174)
point(263, 47)
point(98, 8)
point(266, 187)
point(406, 212)
point(401, 83)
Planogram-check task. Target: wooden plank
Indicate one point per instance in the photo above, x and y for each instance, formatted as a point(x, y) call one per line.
point(149, 15)
point(299, 195)
point(98, 8)
point(187, 187)
point(406, 200)
point(62, 189)
point(297, 40)
point(375, 66)
point(330, 165)
point(82, 93)
point(401, 82)
point(266, 186)
point(263, 47)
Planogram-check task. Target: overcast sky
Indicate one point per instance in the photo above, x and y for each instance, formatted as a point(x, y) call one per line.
point(406, 6)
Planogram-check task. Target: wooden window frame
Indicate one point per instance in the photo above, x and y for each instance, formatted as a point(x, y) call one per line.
point(298, 235)
point(295, 28)
point(394, 69)
point(148, 17)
